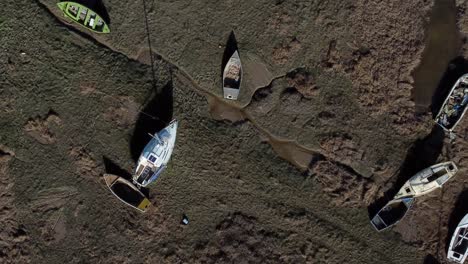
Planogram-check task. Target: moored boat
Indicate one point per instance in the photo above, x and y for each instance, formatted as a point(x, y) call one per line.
point(458, 249)
point(84, 16)
point(232, 77)
point(126, 192)
point(428, 180)
point(455, 105)
point(155, 156)
point(391, 213)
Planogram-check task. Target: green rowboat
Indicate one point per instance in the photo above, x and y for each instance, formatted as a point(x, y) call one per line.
point(84, 16)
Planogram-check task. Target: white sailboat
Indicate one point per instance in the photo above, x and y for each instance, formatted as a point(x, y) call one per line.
point(428, 180)
point(155, 156)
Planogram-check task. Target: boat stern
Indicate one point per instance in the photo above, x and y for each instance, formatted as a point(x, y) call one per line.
point(455, 257)
point(378, 224)
point(230, 93)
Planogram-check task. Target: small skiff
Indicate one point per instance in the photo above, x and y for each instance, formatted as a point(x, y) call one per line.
point(428, 180)
point(84, 16)
point(458, 249)
point(126, 192)
point(155, 156)
point(232, 77)
point(391, 213)
point(454, 107)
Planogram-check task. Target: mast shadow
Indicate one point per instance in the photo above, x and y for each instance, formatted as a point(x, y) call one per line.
point(156, 114)
point(456, 68)
point(113, 168)
point(422, 154)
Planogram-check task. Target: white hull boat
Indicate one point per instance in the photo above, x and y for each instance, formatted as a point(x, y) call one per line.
point(428, 180)
point(458, 249)
point(455, 105)
point(232, 77)
point(155, 156)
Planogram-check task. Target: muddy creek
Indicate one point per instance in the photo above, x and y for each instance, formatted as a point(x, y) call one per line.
point(442, 44)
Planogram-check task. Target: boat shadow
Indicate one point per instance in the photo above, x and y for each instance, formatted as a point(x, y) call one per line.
point(421, 155)
point(112, 168)
point(156, 114)
point(456, 68)
point(429, 259)
point(459, 211)
point(98, 7)
point(231, 47)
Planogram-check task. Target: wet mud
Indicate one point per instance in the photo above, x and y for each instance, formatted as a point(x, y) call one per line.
point(442, 45)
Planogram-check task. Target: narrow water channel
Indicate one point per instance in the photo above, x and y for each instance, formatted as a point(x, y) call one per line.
point(442, 44)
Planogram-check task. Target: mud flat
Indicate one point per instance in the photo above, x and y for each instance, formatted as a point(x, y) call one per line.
point(245, 196)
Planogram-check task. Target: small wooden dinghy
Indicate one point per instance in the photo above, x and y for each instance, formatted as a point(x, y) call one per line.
point(428, 180)
point(391, 213)
point(458, 249)
point(127, 192)
point(155, 156)
point(455, 105)
point(232, 77)
point(84, 16)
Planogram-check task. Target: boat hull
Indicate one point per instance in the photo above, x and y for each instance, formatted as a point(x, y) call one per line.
point(428, 180)
point(155, 156)
point(455, 105)
point(232, 77)
point(391, 213)
point(84, 16)
point(126, 192)
point(458, 249)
